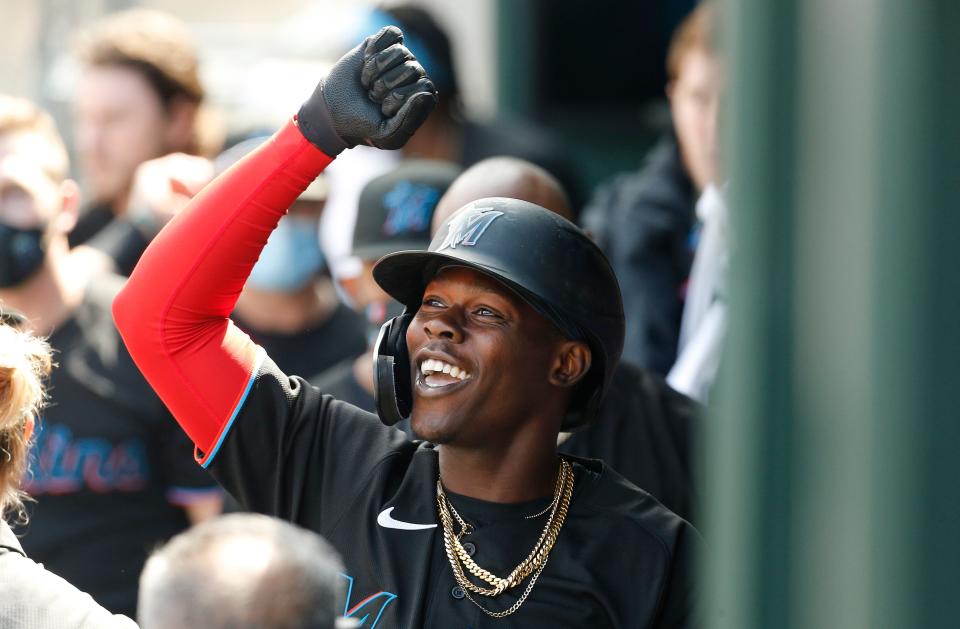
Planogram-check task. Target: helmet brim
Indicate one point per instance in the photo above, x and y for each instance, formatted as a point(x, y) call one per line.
point(404, 275)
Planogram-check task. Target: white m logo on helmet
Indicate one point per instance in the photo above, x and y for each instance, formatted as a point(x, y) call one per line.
point(466, 229)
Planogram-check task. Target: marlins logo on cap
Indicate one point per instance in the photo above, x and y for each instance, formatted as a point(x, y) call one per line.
point(410, 207)
point(395, 209)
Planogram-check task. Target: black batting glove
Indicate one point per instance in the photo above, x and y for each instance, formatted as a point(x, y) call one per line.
point(376, 94)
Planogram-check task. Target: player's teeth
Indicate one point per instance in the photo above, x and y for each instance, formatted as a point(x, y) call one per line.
point(432, 365)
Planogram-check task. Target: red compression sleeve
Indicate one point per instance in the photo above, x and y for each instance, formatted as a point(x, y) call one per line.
point(173, 312)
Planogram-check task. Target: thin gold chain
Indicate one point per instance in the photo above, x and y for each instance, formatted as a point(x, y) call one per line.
point(466, 529)
point(533, 564)
point(515, 606)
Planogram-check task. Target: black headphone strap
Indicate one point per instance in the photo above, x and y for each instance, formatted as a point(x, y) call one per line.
point(391, 371)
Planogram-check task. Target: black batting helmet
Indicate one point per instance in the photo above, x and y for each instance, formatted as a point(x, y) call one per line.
point(547, 260)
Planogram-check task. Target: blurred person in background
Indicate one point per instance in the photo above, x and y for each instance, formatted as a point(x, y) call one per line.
point(646, 430)
point(243, 571)
point(394, 214)
point(645, 221)
point(32, 597)
point(111, 478)
point(139, 97)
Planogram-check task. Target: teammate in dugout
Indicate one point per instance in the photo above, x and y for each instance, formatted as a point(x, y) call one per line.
point(512, 329)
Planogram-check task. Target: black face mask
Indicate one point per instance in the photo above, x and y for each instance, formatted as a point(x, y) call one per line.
point(21, 253)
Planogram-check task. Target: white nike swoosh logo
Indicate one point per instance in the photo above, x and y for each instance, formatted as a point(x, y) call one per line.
point(386, 521)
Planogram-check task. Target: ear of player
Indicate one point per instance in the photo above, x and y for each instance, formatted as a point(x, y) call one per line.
point(376, 94)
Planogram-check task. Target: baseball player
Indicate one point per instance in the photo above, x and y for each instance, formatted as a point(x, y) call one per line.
point(512, 328)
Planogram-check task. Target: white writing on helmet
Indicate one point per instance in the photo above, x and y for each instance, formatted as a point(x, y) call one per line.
point(466, 229)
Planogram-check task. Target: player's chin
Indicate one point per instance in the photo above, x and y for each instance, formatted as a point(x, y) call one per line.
point(438, 410)
point(429, 425)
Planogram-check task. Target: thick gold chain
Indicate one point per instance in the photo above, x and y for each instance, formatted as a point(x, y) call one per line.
point(533, 564)
point(540, 549)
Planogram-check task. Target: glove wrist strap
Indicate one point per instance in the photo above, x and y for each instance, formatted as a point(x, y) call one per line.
point(316, 125)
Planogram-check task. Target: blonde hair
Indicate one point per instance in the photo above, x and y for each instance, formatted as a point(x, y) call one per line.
point(696, 32)
point(155, 43)
point(24, 364)
point(18, 115)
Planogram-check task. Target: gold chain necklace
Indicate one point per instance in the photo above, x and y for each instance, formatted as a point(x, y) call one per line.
point(533, 564)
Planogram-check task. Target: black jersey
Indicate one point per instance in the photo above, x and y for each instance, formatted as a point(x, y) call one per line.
point(622, 560)
point(92, 220)
point(110, 471)
point(339, 382)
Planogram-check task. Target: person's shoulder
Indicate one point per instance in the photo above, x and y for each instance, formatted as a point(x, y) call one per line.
point(37, 598)
point(626, 512)
point(661, 183)
point(648, 388)
point(340, 382)
point(94, 314)
point(96, 356)
point(306, 403)
point(334, 377)
point(9, 544)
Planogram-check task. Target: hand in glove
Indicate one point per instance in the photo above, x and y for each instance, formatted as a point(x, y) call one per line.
point(376, 94)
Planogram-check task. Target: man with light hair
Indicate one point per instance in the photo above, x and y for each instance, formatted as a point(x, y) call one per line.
point(645, 220)
point(139, 97)
point(243, 571)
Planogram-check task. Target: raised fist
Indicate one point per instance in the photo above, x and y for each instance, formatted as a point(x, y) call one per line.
point(376, 94)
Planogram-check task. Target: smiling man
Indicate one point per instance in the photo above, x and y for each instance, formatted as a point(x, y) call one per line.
point(512, 327)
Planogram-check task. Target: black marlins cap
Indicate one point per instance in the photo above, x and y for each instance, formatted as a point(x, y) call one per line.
point(395, 209)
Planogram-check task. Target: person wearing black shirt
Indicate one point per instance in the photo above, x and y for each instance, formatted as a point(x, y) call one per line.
point(109, 477)
point(138, 97)
point(504, 343)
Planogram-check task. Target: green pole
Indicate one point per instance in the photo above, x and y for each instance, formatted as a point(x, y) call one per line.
point(830, 459)
point(516, 45)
